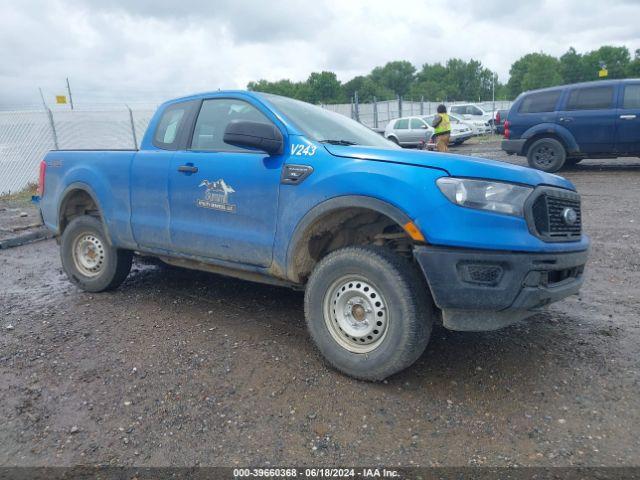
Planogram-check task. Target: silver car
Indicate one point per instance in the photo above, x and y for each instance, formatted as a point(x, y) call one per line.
point(409, 131)
point(460, 131)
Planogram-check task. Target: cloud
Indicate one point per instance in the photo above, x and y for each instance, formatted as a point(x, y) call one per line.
point(150, 50)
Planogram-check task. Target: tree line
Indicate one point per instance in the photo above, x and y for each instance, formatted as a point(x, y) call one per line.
point(458, 79)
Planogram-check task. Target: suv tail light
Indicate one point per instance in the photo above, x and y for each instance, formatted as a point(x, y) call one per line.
point(43, 172)
point(507, 133)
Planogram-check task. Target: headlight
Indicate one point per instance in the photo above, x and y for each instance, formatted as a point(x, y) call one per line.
point(497, 197)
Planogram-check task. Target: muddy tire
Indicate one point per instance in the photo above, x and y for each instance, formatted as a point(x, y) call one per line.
point(546, 154)
point(368, 311)
point(88, 258)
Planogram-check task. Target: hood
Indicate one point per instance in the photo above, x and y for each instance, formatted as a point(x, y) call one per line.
point(454, 165)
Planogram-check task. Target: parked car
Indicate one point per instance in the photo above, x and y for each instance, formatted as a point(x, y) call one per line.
point(383, 241)
point(477, 111)
point(409, 131)
point(501, 116)
point(560, 126)
point(460, 132)
point(480, 119)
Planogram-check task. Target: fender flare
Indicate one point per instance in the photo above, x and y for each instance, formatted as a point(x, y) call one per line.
point(337, 203)
point(556, 130)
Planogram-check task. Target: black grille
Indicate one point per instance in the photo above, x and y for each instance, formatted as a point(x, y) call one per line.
point(547, 213)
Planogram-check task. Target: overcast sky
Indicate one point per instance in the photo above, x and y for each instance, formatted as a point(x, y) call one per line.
point(150, 50)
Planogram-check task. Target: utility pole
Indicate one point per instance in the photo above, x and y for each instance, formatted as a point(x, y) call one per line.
point(69, 91)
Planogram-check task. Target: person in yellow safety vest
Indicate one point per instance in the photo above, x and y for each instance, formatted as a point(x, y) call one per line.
point(442, 124)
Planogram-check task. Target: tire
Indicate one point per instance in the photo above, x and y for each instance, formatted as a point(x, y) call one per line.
point(387, 289)
point(546, 154)
point(88, 258)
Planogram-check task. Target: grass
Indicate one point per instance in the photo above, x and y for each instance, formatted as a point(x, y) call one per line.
point(22, 197)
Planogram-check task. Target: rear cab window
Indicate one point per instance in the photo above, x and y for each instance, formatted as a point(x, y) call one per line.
point(540, 102)
point(171, 129)
point(591, 98)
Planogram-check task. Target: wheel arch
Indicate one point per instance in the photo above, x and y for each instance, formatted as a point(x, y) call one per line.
point(79, 199)
point(550, 130)
point(299, 260)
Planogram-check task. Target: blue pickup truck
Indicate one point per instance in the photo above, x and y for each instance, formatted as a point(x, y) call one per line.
point(384, 241)
point(562, 125)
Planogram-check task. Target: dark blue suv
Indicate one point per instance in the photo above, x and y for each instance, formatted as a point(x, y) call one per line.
point(562, 125)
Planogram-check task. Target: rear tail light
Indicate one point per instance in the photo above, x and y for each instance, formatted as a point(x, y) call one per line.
point(43, 172)
point(498, 118)
point(507, 133)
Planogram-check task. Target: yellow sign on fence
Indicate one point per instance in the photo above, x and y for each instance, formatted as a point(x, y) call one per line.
point(603, 72)
point(61, 99)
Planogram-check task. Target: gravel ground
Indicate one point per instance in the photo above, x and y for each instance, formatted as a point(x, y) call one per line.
point(186, 368)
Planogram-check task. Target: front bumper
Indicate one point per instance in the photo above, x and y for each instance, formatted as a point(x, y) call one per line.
point(486, 290)
point(513, 146)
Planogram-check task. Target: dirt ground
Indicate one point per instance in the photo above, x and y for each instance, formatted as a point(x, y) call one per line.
point(184, 368)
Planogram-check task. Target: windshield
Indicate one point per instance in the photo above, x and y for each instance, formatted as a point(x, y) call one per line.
point(325, 126)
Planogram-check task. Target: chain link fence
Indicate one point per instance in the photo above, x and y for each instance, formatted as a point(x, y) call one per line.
point(26, 136)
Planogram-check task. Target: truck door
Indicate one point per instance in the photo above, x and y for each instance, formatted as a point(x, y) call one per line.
point(224, 199)
point(150, 176)
point(628, 119)
point(590, 116)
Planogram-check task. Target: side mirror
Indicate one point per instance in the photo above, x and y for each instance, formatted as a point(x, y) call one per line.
point(256, 135)
point(423, 126)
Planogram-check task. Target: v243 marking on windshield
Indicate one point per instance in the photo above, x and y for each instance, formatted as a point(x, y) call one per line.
point(300, 150)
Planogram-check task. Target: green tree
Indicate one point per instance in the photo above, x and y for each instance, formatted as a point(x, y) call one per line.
point(633, 70)
point(367, 89)
point(397, 76)
point(324, 87)
point(534, 70)
point(617, 60)
point(571, 67)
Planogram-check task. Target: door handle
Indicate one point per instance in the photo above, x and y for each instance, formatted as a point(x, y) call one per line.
point(627, 117)
point(187, 168)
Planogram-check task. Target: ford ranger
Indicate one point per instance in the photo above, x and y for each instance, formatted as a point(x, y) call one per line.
point(384, 241)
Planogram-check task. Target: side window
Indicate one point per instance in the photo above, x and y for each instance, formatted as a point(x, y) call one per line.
point(593, 98)
point(402, 124)
point(458, 110)
point(214, 117)
point(416, 124)
point(166, 134)
point(540, 102)
point(631, 96)
point(473, 110)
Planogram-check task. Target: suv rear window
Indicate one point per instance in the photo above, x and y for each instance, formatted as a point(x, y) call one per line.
point(540, 102)
point(593, 98)
point(631, 96)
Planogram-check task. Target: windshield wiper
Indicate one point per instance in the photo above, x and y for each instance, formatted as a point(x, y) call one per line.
point(338, 142)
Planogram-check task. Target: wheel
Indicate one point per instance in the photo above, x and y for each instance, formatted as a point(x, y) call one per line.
point(89, 260)
point(368, 311)
point(546, 154)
